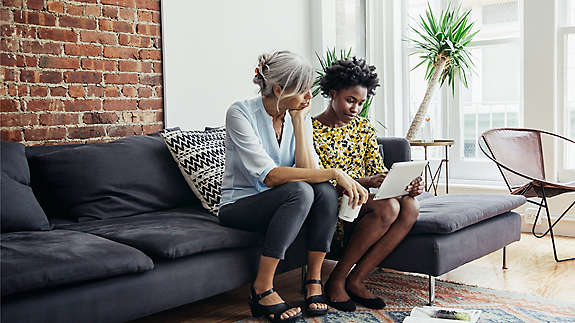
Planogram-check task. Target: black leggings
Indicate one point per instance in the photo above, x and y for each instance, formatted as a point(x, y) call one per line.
point(280, 213)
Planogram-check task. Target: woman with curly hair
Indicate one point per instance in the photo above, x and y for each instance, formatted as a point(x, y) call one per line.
point(346, 141)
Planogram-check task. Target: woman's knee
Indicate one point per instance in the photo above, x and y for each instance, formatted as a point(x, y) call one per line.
point(301, 192)
point(325, 193)
point(386, 211)
point(409, 209)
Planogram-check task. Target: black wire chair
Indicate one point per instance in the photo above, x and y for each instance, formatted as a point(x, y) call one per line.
point(518, 153)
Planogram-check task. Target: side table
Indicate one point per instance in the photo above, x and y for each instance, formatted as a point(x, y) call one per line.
point(434, 177)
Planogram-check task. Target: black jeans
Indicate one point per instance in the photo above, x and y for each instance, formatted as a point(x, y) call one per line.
point(282, 211)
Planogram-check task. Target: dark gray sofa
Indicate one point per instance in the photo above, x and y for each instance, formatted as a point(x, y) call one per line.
point(125, 237)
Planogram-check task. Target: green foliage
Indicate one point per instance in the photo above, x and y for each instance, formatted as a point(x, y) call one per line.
point(326, 62)
point(449, 36)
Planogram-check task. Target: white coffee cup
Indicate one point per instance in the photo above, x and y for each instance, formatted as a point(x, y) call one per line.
point(346, 212)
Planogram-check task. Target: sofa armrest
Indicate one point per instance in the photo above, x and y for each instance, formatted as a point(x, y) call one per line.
point(395, 149)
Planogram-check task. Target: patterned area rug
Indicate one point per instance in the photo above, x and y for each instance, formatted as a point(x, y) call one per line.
point(402, 292)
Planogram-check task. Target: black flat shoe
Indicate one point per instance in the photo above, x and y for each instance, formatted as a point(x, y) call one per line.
point(373, 303)
point(259, 310)
point(315, 299)
point(345, 306)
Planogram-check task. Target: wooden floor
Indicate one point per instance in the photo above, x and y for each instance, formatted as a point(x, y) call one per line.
point(531, 270)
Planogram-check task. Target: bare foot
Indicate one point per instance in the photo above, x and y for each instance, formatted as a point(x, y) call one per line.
point(274, 298)
point(359, 289)
point(335, 290)
point(312, 290)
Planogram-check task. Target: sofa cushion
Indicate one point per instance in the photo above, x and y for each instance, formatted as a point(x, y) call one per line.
point(129, 176)
point(19, 209)
point(200, 155)
point(34, 260)
point(452, 212)
point(170, 234)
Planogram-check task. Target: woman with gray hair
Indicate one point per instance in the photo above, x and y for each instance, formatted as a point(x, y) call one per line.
point(273, 183)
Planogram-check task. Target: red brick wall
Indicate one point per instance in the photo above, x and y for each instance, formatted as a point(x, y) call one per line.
point(79, 71)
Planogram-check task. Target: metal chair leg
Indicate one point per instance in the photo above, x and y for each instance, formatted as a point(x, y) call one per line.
point(504, 259)
point(551, 226)
point(303, 275)
point(431, 290)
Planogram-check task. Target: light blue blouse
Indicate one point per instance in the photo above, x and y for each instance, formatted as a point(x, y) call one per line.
point(252, 149)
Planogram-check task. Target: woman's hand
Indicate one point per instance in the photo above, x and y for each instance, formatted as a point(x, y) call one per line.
point(416, 187)
point(358, 195)
point(299, 114)
point(376, 180)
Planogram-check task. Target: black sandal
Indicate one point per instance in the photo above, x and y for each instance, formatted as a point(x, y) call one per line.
point(259, 310)
point(315, 299)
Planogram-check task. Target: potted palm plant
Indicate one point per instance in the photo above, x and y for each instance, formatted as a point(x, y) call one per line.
point(442, 44)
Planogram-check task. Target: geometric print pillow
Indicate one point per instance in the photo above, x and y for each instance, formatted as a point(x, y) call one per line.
point(201, 157)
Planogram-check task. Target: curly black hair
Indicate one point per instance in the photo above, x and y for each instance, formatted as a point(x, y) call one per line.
point(347, 73)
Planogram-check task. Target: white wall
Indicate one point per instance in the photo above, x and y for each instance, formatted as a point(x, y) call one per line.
point(210, 52)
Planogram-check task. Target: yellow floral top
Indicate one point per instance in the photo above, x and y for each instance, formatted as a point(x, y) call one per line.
point(352, 148)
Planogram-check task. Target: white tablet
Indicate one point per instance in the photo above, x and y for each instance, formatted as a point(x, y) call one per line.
point(398, 178)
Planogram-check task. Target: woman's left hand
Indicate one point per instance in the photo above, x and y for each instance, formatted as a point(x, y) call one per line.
point(416, 187)
point(299, 113)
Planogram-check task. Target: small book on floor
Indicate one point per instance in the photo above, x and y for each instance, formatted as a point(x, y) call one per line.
point(432, 314)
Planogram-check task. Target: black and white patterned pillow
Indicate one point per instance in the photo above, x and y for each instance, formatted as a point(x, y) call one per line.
point(200, 156)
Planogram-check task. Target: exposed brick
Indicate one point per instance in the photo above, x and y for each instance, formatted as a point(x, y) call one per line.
point(153, 30)
point(37, 134)
point(135, 66)
point(44, 105)
point(56, 6)
point(9, 45)
point(8, 105)
point(144, 16)
point(120, 52)
point(145, 92)
point(112, 91)
point(97, 37)
point(57, 34)
point(58, 91)
point(129, 91)
point(148, 4)
point(30, 76)
point(22, 90)
point(159, 91)
point(136, 41)
point(5, 14)
point(82, 50)
point(121, 3)
point(34, 18)
point(151, 79)
point(154, 54)
point(93, 10)
point(18, 119)
point(123, 131)
point(128, 14)
point(82, 105)
point(7, 59)
point(86, 132)
point(35, 4)
point(157, 67)
point(25, 31)
point(100, 118)
point(74, 10)
point(87, 1)
point(152, 128)
point(96, 91)
point(11, 135)
point(26, 61)
point(156, 17)
point(50, 77)
point(109, 11)
point(38, 91)
point(150, 104)
point(116, 105)
point(76, 22)
point(123, 27)
point(37, 47)
point(7, 74)
point(99, 64)
point(12, 3)
point(121, 78)
point(58, 119)
point(7, 30)
point(59, 62)
point(106, 25)
point(83, 77)
point(76, 91)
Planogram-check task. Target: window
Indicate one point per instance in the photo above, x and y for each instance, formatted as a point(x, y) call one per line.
point(350, 26)
point(493, 98)
point(566, 88)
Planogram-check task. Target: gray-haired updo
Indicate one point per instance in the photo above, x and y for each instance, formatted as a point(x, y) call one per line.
point(290, 71)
